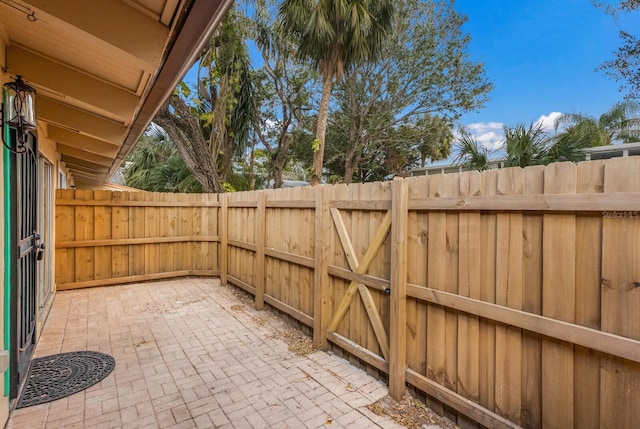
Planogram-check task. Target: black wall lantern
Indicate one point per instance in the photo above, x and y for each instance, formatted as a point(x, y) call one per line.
point(19, 113)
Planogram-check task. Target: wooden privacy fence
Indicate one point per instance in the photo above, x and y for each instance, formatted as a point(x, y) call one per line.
point(510, 297)
point(105, 237)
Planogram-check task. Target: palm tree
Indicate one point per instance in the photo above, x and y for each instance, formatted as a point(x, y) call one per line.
point(620, 124)
point(155, 165)
point(334, 35)
point(526, 146)
point(533, 146)
point(471, 154)
point(523, 146)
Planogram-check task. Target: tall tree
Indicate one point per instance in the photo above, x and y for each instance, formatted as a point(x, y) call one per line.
point(625, 65)
point(425, 72)
point(284, 91)
point(621, 124)
point(211, 124)
point(335, 35)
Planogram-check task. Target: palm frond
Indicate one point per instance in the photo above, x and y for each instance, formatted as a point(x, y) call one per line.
point(471, 155)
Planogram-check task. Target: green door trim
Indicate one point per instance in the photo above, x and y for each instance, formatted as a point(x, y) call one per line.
point(6, 158)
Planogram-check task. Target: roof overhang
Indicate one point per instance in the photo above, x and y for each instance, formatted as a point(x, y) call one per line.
point(102, 69)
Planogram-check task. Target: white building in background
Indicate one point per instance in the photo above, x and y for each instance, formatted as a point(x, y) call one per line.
point(592, 153)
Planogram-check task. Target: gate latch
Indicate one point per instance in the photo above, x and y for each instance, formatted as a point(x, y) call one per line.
point(40, 252)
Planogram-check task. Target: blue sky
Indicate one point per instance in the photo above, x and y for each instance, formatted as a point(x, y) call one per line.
point(540, 56)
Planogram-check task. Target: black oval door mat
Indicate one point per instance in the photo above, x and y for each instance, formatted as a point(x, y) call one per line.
point(56, 376)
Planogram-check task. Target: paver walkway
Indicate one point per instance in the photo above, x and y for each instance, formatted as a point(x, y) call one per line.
point(189, 354)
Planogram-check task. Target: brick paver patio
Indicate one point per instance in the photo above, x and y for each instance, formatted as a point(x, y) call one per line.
point(189, 354)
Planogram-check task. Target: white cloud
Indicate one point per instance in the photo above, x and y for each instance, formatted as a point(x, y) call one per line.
point(548, 121)
point(481, 126)
point(489, 134)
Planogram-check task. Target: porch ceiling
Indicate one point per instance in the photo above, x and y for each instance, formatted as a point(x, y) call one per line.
point(102, 68)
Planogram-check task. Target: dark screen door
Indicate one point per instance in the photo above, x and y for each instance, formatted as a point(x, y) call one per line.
point(24, 175)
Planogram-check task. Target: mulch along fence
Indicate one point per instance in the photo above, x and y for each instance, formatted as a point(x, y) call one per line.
point(510, 297)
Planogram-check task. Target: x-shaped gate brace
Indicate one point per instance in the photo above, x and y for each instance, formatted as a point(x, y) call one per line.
point(361, 267)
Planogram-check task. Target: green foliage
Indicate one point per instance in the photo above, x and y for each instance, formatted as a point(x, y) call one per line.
point(621, 124)
point(625, 65)
point(315, 145)
point(210, 123)
point(526, 145)
point(284, 91)
point(471, 155)
point(335, 35)
point(155, 165)
point(523, 146)
point(422, 82)
point(434, 138)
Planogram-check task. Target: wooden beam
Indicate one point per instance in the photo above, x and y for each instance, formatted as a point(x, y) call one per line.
point(243, 204)
point(136, 279)
point(293, 204)
point(605, 342)
point(70, 117)
point(467, 407)
point(374, 282)
point(84, 164)
point(86, 167)
point(361, 205)
point(360, 352)
point(376, 322)
point(242, 285)
point(223, 230)
point(345, 241)
point(132, 203)
point(91, 176)
point(614, 201)
point(83, 154)
point(140, 36)
point(82, 142)
point(398, 303)
point(287, 309)
point(290, 257)
point(241, 244)
point(322, 250)
point(260, 231)
point(135, 241)
point(65, 80)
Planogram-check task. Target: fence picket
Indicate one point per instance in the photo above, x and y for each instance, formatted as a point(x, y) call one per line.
point(532, 303)
point(620, 379)
point(558, 300)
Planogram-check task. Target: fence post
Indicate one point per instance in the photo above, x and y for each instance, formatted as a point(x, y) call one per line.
point(398, 298)
point(260, 238)
point(321, 295)
point(223, 232)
